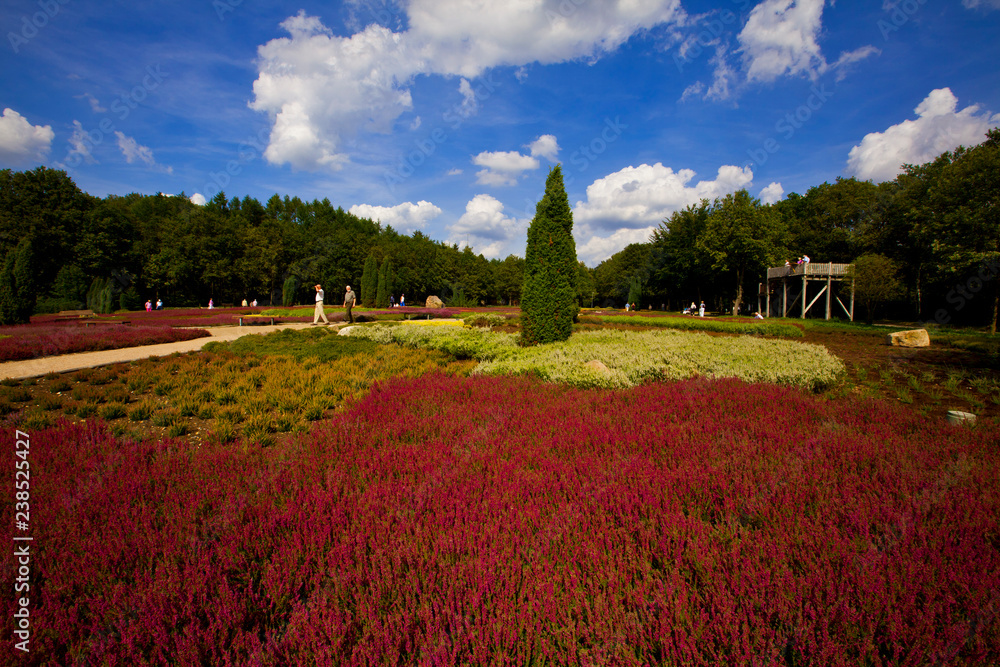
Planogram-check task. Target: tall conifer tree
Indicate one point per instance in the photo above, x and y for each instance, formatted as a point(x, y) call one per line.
point(384, 278)
point(369, 282)
point(548, 296)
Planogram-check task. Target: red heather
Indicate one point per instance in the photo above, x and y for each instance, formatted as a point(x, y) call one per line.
point(40, 340)
point(498, 520)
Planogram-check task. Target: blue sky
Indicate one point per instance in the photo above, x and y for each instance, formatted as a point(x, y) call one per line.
point(444, 116)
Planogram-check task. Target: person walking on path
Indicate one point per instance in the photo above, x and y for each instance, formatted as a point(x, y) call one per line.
point(319, 312)
point(349, 299)
point(701, 309)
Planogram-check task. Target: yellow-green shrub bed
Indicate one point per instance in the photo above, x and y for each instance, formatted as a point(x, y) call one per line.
point(628, 358)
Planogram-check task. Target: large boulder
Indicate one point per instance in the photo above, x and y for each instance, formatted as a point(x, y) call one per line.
point(598, 366)
point(911, 338)
point(434, 302)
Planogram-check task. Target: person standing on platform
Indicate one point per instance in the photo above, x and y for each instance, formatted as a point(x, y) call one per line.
point(318, 311)
point(349, 300)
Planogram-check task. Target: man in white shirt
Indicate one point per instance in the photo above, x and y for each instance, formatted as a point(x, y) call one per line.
point(319, 312)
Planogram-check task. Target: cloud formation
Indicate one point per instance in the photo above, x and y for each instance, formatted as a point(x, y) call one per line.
point(939, 127)
point(545, 146)
point(21, 143)
point(319, 89)
point(405, 218)
point(502, 167)
point(630, 203)
point(779, 39)
point(772, 193)
point(486, 228)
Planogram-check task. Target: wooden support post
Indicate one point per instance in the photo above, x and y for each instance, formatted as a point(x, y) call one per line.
point(829, 289)
point(805, 290)
point(784, 297)
point(852, 300)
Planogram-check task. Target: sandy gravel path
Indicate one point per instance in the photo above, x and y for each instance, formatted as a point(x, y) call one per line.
point(72, 362)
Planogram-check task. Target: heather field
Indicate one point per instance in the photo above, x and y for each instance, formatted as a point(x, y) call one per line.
point(450, 520)
point(30, 342)
point(423, 494)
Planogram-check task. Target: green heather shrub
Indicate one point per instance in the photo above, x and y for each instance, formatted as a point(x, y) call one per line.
point(60, 385)
point(177, 429)
point(166, 418)
point(84, 410)
point(35, 420)
point(223, 431)
point(757, 327)
point(461, 342)
point(631, 357)
point(484, 320)
point(110, 411)
point(141, 412)
point(16, 394)
point(49, 402)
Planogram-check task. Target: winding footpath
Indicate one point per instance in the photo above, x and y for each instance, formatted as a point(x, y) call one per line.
point(29, 368)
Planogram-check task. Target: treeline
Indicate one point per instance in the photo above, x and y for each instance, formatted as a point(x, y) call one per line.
point(66, 249)
point(934, 231)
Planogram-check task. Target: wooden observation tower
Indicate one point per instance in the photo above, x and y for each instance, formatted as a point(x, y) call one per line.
point(795, 281)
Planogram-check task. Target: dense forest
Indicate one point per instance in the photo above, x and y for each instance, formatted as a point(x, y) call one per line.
point(64, 246)
point(935, 230)
point(929, 239)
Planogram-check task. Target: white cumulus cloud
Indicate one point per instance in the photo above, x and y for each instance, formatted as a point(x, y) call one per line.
point(780, 38)
point(198, 199)
point(502, 167)
point(406, 217)
point(319, 89)
point(630, 203)
point(21, 143)
point(486, 229)
point(545, 146)
point(772, 193)
point(939, 127)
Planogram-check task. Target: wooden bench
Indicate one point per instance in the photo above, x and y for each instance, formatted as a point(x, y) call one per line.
point(73, 314)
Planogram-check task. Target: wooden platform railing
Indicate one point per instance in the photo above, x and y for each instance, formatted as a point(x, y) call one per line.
point(811, 269)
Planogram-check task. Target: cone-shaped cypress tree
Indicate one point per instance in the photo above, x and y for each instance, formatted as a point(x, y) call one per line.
point(382, 294)
point(17, 284)
point(369, 282)
point(548, 295)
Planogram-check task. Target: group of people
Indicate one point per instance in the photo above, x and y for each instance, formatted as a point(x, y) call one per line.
point(692, 309)
point(252, 303)
point(349, 300)
point(804, 259)
point(149, 305)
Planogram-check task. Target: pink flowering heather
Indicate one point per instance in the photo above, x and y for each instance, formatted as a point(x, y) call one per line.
point(31, 341)
point(448, 521)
